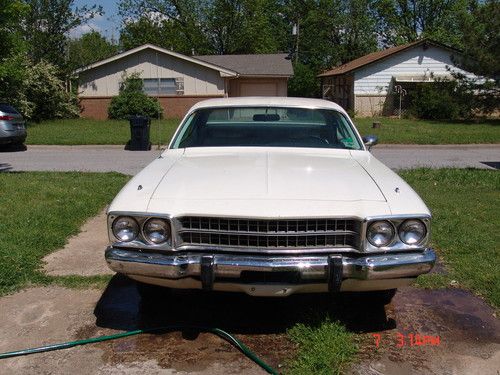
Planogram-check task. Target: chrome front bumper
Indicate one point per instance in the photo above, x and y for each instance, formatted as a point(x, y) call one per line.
point(319, 273)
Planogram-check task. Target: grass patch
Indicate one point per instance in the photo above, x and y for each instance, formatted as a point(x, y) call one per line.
point(406, 131)
point(39, 211)
point(324, 347)
point(465, 205)
point(94, 132)
point(117, 132)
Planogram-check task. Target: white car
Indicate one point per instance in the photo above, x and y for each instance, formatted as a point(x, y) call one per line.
point(269, 196)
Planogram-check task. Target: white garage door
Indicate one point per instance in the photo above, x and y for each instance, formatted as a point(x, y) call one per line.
point(258, 89)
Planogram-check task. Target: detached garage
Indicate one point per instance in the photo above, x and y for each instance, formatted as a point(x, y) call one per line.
point(370, 85)
point(179, 81)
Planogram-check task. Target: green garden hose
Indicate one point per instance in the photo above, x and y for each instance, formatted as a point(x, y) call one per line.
point(219, 332)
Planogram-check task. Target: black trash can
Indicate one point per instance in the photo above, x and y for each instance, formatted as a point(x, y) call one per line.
point(139, 134)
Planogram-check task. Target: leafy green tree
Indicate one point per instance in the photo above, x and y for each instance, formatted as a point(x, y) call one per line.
point(245, 26)
point(181, 21)
point(160, 32)
point(404, 21)
point(89, 48)
point(330, 33)
point(13, 72)
point(132, 100)
point(481, 40)
point(304, 82)
point(11, 15)
point(207, 27)
point(47, 26)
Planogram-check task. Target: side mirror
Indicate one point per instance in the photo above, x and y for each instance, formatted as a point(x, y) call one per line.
point(370, 141)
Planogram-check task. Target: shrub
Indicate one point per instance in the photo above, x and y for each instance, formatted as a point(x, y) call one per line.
point(48, 95)
point(35, 89)
point(434, 101)
point(451, 99)
point(133, 101)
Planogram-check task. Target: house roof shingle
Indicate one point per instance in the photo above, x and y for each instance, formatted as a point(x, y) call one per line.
point(275, 64)
point(376, 56)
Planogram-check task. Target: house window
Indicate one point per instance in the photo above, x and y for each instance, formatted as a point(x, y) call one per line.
point(164, 86)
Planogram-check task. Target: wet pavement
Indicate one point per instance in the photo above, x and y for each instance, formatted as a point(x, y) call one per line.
point(446, 331)
point(469, 333)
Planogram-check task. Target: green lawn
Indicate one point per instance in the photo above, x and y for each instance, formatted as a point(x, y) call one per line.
point(465, 205)
point(406, 131)
point(86, 132)
point(94, 132)
point(39, 211)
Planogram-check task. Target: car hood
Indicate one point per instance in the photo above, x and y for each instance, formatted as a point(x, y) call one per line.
point(267, 182)
point(269, 174)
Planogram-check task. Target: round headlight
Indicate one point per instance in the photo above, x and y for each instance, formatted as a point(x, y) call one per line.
point(125, 228)
point(156, 231)
point(412, 232)
point(380, 233)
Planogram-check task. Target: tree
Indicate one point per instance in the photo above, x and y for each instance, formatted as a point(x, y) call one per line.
point(160, 32)
point(11, 15)
point(47, 26)
point(90, 47)
point(207, 27)
point(245, 26)
point(132, 100)
point(304, 82)
point(180, 21)
point(481, 40)
point(404, 21)
point(331, 32)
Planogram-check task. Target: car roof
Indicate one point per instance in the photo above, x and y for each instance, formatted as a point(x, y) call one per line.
point(268, 101)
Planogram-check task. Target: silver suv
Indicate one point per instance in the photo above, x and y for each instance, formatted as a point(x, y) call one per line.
point(12, 125)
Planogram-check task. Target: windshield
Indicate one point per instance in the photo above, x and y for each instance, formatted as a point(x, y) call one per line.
point(267, 127)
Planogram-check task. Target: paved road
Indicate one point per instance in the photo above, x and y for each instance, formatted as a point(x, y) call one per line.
point(114, 158)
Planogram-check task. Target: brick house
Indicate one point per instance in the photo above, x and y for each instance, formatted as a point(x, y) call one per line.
point(179, 81)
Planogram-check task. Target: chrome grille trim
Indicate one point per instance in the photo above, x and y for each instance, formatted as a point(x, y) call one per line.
point(280, 234)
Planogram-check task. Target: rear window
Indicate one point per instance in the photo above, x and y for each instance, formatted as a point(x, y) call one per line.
point(267, 127)
point(8, 108)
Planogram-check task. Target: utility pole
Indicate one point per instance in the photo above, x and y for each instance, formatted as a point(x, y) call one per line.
point(296, 32)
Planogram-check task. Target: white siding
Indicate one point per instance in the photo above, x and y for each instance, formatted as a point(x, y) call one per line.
point(105, 79)
point(374, 79)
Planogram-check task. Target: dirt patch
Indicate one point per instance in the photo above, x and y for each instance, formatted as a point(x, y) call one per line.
point(468, 331)
point(83, 255)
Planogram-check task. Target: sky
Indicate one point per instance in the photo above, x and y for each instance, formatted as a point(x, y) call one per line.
point(108, 24)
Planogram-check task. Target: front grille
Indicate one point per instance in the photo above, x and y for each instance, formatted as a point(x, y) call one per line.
point(251, 233)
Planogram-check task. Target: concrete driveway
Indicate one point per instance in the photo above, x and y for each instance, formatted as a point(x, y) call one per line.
point(469, 334)
point(115, 158)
